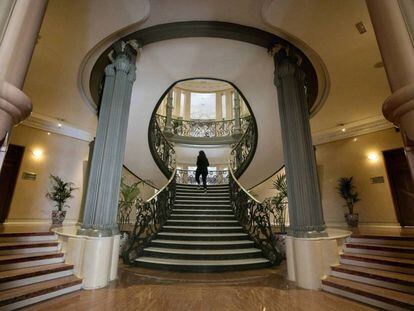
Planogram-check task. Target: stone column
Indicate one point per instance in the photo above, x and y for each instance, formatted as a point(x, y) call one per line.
point(177, 103)
point(395, 43)
point(187, 111)
point(219, 109)
point(101, 203)
point(16, 49)
point(169, 112)
point(229, 105)
point(237, 129)
point(305, 208)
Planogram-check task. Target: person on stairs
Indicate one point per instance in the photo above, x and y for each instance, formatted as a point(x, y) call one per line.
point(202, 169)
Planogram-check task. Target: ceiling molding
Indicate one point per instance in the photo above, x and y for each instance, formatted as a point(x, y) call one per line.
point(353, 129)
point(51, 125)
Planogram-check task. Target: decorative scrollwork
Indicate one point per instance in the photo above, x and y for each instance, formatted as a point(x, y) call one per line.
point(242, 152)
point(254, 217)
point(150, 217)
point(213, 177)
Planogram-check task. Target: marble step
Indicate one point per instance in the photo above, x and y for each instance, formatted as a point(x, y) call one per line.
point(202, 254)
point(202, 229)
point(202, 236)
point(202, 265)
point(202, 202)
point(182, 191)
point(20, 297)
point(203, 211)
point(402, 265)
point(201, 217)
point(193, 186)
point(372, 295)
point(17, 261)
point(202, 223)
point(27, 236)
point(28, 247)
point(26, 276)
point(183, 244)
point(204, 197)
point(382, 239)
point(204, 206)
point(386, 279)
point(380, 250)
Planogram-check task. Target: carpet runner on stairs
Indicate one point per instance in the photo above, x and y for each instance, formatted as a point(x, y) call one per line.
point(32, 269)
point(202, 235)
point(376, 270)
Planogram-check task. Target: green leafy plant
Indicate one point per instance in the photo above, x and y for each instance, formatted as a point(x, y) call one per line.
point(60, 191)
point(129, 193)
point(277, 204)
point(347, 191)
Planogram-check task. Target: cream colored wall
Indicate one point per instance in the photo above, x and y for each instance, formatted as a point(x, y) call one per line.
point(349, 158)
point(146, 191)
point(62, 156)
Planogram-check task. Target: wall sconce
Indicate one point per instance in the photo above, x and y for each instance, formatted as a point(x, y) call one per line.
point(37, 153)
point(372, 156)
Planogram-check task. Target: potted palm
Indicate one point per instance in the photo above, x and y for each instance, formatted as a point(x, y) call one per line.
point(59, 192)
point(347, 191)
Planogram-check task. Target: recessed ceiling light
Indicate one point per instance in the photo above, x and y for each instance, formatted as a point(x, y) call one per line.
point(361, 27)
point(343, 129)
point(48, 133)
point(59, 124)
point(355, 139)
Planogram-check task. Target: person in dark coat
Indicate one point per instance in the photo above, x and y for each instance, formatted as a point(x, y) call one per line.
point(202, 169)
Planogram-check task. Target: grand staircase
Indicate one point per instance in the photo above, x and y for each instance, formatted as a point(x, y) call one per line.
point(375, 270)
point(32, 269)
point(202, 235)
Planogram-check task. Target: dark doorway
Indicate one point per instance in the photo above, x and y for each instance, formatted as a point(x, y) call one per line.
point(402, 186)
point(8, 177)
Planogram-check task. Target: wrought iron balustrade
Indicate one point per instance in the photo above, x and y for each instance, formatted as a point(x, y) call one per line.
point(162, 150)
point(203, 128)
point(213, 178)
point(243, 151)
point(254, 217)
point(150, 216)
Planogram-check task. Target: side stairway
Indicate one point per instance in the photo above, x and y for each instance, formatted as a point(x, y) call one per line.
point(375, 270)
point(202, 235)
point(32, 269)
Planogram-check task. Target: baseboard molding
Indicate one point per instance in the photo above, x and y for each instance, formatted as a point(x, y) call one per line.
point(44, 222)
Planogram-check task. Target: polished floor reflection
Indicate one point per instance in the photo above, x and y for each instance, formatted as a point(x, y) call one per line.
point(145, 289)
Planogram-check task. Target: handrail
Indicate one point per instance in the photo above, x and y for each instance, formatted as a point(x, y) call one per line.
point(242, 137)
point(239, 184)
point(165, 186)
point(162, 134)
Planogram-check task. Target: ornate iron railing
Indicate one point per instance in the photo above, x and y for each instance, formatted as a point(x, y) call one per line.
point(162, 150)
point(151, 215)
point(254, 217)
point(242, 153)
point(213, 178)
point(203, 128)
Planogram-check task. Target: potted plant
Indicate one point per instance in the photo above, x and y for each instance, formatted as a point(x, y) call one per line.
point(59, 192)
point(347, 191)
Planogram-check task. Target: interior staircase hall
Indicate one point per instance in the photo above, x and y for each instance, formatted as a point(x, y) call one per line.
point(202, 234)
point(377, 270)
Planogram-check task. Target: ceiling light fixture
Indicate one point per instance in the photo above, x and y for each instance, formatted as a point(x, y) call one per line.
point(59, 124)
point(37, 153)
point(373, 156)
point(343, 130)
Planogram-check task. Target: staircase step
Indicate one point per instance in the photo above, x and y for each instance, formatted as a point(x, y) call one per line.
point(202, 254)
point(202, 236)
point(401, 265)
point(25, 276)
point(203, 229)
point(382, 239)
point(16, 261)
point(210, 205)
point(202, 265)
point(202, 192)
point(205, 197)
point(202, 223)
point(27, 236)
point(381, 250)
point(203, 211)
point(19, 297)
point(201, 217)
point(387, 279)
point(202, 244)
point(28, 247)
point(202, 201)
point(194, 186)
point(379, 297)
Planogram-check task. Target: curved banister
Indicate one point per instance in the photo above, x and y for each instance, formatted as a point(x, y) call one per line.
point(163, 188)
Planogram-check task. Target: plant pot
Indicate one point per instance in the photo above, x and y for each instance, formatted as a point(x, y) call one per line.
point(58, 217)
point(352, 220)
point(281, 243)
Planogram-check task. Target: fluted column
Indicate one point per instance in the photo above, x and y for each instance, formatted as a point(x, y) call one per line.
point(169, 113)
point(16, 49)
point(219, 107)
point(237, 129)
point(101, 203)
point(229, 105)
point(305, 208)
point(395, 43)
point(177, 103)
point(187, 111)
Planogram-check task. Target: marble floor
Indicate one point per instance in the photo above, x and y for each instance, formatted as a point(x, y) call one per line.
point(145, 289)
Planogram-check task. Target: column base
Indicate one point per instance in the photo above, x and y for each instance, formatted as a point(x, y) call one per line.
point(95, 259)
point(309, 259)
point(97, 232)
